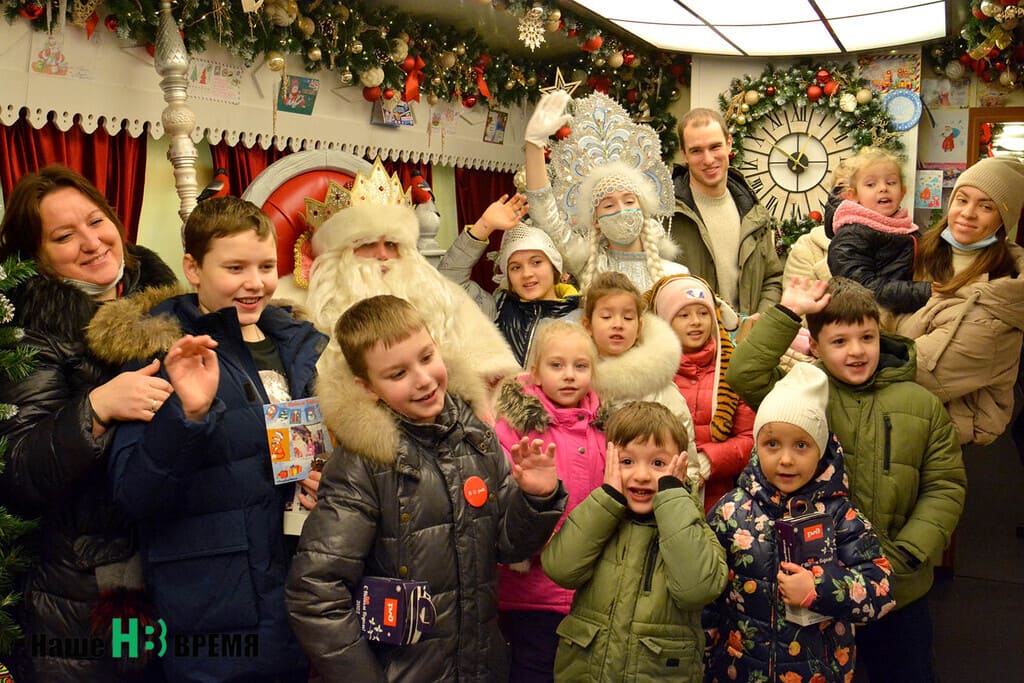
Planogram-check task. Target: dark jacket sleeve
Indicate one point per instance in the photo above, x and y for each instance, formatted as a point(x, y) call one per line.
point(50, 442)
point(527, 522)
point(855, 588)
point(336, 539)
point(152, 462)
point(854, 253)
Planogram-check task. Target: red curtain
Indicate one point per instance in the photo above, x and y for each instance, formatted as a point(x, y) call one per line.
point(115, 164)
point(406, 170)
point(475, 190)
point(243, 163)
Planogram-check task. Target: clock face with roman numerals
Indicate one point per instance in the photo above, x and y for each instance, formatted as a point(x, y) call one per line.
point(788, 158)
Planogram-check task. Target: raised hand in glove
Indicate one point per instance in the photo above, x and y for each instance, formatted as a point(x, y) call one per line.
point(547, 118)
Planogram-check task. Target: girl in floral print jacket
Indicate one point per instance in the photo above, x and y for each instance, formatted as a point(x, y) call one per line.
point(749, 636)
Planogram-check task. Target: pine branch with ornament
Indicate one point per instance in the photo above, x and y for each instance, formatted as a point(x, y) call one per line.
point(789, 230)
point(990, 46)
point(832, 87)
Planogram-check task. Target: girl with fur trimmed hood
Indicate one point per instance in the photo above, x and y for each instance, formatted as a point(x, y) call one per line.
point(605, 218)
point(722, 421)
point(638, 356)
point(553, 402)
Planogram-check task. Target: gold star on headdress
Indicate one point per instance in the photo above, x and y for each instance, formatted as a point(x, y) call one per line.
point(561, 84)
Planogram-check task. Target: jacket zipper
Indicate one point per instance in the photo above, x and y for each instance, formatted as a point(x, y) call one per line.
point(887, 461)
point(652, 555)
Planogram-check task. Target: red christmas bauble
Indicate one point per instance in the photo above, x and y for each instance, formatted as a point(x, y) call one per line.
point(628, 58)
point(388, 93)
point(965, 59)
point(110, 22)
point(831, 88)
point(571, 33)
point(372, 94)
point(31, 12)
point(562, 133)
point(151, 49)
point(986, 76)
point(1000, 66)
point(593, 44)
point(815, 216)
point(978, 14)
point(770, 91)
point(814, 93)
point(632, 96)
point(408, 64)
point(483, 60)
point(980, 66)
point(823, 76)
point(993, 53)
point(677, 70)
point(600, 84)
point(469, 101)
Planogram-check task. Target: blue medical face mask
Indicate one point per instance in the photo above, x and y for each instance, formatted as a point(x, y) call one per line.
point(947, 235)
point(622, 227)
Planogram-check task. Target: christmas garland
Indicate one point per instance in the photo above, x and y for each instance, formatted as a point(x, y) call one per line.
point(990, 46)
point(394, 55)
point(831, 87)
point(835, 88)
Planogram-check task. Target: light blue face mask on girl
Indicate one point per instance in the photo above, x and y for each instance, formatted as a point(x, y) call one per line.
point(622, 227)
point(947, 235)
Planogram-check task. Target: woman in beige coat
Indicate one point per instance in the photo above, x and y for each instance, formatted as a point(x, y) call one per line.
point(969, 333)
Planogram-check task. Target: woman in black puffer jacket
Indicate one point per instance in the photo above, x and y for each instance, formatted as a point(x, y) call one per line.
point(86, 569)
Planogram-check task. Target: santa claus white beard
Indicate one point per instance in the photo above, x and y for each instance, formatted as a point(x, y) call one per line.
point(340, 279)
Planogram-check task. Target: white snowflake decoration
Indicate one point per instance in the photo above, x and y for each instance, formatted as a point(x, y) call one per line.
point(531, 28)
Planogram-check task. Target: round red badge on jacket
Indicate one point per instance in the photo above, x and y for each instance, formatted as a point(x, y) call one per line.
point(475, 491)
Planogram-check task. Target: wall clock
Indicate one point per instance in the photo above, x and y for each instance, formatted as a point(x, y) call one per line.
point(788, 157)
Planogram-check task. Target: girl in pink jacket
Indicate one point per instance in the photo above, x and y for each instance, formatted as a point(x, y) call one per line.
point(552, 402)
point(722, 423)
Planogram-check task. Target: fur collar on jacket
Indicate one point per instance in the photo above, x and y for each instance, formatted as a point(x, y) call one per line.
point(62, 311)
point(526, 409)
point(369, 428)
point(644, 369)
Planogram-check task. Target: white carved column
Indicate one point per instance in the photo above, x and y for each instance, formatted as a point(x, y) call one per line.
point(171, 61)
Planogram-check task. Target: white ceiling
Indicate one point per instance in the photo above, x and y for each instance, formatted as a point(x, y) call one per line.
point(774, 27)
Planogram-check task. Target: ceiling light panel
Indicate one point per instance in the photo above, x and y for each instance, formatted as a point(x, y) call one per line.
point(805, 38)
point(698, 39)
point(894, 27)
point(717, 12)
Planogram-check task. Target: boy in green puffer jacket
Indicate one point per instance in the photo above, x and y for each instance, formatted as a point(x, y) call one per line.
point(901, 450)
point(641, 558)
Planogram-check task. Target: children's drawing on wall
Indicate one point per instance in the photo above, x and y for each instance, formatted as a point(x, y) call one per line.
point(950, 172)
point(55, 56)
point(298, 94)
point(216, 81)
point(928, 185)
point(945, 93)
point(394, 114)
point(944, 137)
point(494, 129)
point(891, 72)
point(443, 120)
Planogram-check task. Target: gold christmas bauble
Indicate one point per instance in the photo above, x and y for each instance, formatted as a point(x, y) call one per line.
point(555, 15)
point(744, 107)
point(306, 25)
point(433, 99)
point(372, 77)
point(741, 120)
point(275, 60)
point(864, 96)
point(615, 60)
point(314, 54)
point(447, 59)
point(356, 47)
point(751, 97)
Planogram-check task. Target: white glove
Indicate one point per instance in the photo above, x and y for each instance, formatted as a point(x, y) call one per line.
point(548, 117)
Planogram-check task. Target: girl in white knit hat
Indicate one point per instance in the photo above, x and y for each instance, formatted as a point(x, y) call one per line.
point(530, 287)
point(606, 191)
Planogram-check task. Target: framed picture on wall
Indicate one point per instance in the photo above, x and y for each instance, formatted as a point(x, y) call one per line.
point(494, 129)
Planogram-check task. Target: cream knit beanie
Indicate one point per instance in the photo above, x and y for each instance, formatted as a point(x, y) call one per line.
point(800, 398)
point(1002, 179)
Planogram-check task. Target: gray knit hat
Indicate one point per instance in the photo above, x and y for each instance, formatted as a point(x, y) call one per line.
point(1002, 179)
point(800, 398)
point(525, 237)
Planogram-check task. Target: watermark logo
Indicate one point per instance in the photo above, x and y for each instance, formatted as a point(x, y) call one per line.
point(119, 638)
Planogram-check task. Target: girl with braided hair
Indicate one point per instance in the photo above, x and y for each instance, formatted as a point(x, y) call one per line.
point(605, 192)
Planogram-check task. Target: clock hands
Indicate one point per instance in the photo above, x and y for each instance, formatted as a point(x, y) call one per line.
point(798, 162)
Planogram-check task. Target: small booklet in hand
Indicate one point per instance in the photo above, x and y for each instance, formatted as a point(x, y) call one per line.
point(806, 540)
point(394, 611)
